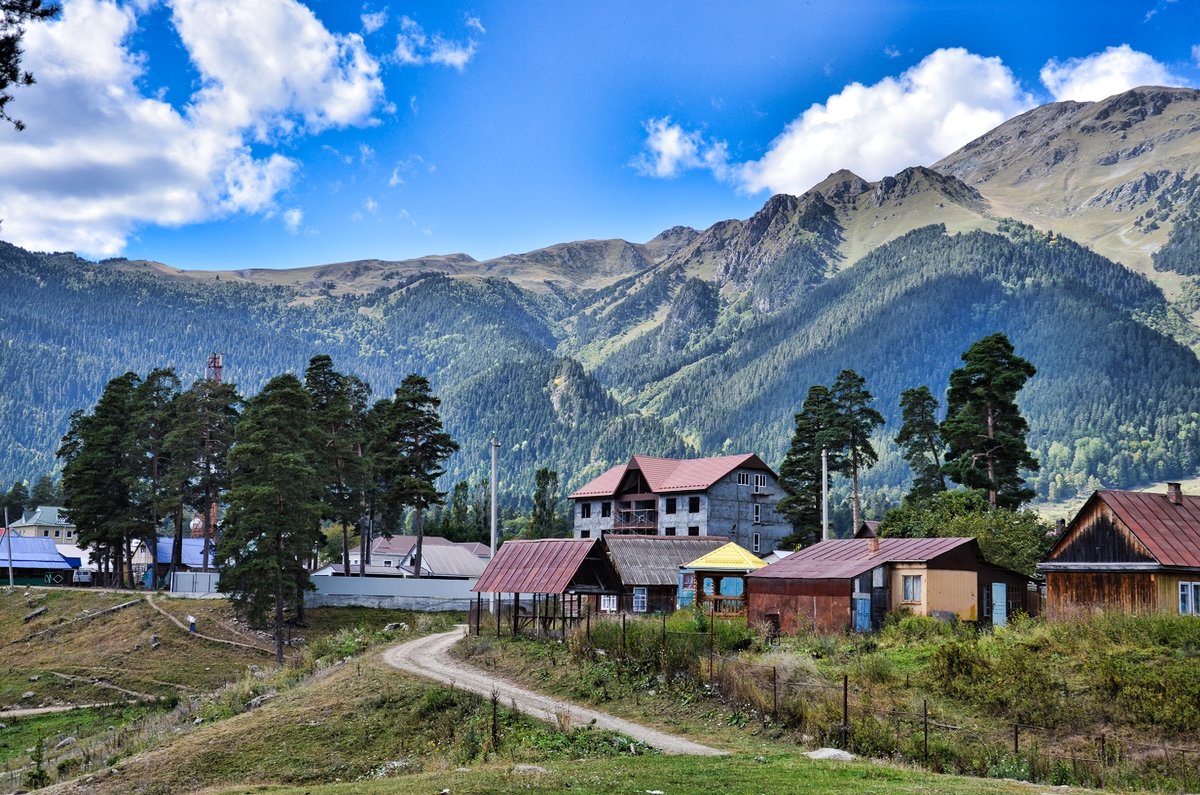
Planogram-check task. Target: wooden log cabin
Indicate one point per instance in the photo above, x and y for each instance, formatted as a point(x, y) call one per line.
point(1132, 552)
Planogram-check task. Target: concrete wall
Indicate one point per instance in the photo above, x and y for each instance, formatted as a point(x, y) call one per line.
point(404, 593)
point(731, 512)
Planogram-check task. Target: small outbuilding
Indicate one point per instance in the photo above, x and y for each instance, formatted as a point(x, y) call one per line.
point(1127, 551)
point(35, 561)
point(717, 581)
point(851, 584)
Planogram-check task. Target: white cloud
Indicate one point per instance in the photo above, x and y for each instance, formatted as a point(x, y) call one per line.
point(414, 47)
point(374, 21)
point(1196, 54)
point(475, 23)
point(100, 157)
point(891, 52)
point(370, 205)
point(365, 154)
point(670, 150)
point(1103, 74)
point(292, 219)
point(951, 97)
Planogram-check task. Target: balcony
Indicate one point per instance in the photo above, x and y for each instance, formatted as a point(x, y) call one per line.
point(635, 518)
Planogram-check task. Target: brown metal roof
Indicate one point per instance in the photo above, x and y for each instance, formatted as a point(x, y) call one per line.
point(671, 475)
point(655, 560)
point(1170, 532)
point(850, 557)
point(543, 566)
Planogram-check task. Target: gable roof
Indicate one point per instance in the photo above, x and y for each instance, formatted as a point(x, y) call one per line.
point(547, 565)
point(449, 560)
point(35, 552)
point(849, 557)
point(655, 560)
point(670, 475)
point(44, 515)
point(1170, 532)
point(402, 545)
point(731, 557)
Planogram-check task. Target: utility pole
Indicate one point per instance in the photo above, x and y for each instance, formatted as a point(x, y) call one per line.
point(495, 510)
point(8, 540)
point(824, 494)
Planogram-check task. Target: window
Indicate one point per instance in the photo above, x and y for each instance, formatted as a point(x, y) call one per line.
point(387, 563)
point(585, 510)
point(756, 541)
point(606, 508)
point(639, 600)
point(912, 587)
point(670, 506)
point(608, 603)
point(987, 600)
point(757, 513)
point(760, 483)
point(58, 533)
point(743, 478)
point(694, 531)
point(1189, 598)
point(669, 531)
point(46, 533)
point(585, 533)
point(693, 505)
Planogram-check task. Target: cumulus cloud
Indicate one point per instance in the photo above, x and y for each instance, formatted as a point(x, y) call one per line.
point(292, 219)
point(414, 47)
point(948, 99)
point(101, 157)
point(1103, 74)
point(372, 22)
point(670, 150)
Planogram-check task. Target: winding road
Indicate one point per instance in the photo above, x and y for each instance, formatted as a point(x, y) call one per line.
point(430, 657)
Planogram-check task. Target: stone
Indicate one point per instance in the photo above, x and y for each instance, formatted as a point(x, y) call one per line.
point(64, 742)
point(528, 769)
point(836, 754)
point(28, 694)
point(34, 678)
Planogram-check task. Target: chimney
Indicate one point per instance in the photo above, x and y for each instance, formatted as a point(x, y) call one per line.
point(1174, 493)
point(873, 546)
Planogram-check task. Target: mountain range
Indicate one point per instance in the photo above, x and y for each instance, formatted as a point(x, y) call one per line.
point(1074, 228)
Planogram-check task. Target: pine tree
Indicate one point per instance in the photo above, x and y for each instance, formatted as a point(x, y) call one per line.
point(800, 472)
point(921, 440)
point(543, 522)
point(339, 407)
point(16, 501)
point(153, 416)
point(855, 421)
point(984, 429)
point(45, 492)
point(410, 450)
point(273, 521)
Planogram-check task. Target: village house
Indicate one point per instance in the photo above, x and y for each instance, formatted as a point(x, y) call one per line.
point(46, 521)
point(1132, 552)
point(34, 561)
point(648, 568)
point(735, 496)
point(851, 584)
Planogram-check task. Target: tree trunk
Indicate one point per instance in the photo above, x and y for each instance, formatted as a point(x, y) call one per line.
point(854, 489)
point(993, 496)
point(345, 549)
point(419, 521)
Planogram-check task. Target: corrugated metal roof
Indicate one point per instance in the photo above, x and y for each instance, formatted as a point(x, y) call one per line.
point(1171, 532)
point(31, 553)
point(850, 557)
point(655, 560)
point(448, 560)
point(732, 557)
point(402, 545)
point(44, 515)
point(543, 566)
point(671, 475)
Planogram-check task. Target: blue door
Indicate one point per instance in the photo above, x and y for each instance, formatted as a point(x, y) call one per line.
point(862, 614)
point(999, 604)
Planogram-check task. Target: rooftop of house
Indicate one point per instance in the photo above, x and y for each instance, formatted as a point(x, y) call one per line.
point(44, 515)
point(31, 552)
point(730, 557)
point(670, 475)
point(849, 557)
point(545, 566)
point(1167, 524)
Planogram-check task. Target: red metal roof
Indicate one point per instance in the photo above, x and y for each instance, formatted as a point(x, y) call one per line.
point(1171, 532)
point(671, 475)
point(543, 566)
point(843, 558)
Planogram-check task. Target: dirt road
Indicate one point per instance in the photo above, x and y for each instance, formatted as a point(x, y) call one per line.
point(430, 657)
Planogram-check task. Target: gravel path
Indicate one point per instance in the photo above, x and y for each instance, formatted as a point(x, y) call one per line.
point(430, 657)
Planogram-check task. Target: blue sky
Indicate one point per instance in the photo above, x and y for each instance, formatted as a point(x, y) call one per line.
point(274, 133)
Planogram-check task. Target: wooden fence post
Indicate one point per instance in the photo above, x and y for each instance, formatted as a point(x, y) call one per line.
point(775, 692)
point(845, 711)
point(925, 703)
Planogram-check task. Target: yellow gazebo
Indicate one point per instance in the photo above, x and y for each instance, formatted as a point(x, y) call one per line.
point(717, 581)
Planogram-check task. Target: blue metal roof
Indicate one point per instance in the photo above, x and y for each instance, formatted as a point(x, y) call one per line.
point(193, 552)
point(31, 553)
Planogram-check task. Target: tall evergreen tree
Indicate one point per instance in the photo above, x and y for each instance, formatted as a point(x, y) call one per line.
point(98, 475)
point(153, 416)
point(197, 447)
point(921, 440)
point(854, 423)
point(16, 501)
point(45, 492)
point(800, 473)
point(339, 407)
point(410, 451)
point(984, 429)
point(543, 521)
point(274, 512)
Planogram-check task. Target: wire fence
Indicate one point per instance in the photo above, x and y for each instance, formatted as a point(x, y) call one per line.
point(861, 714)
